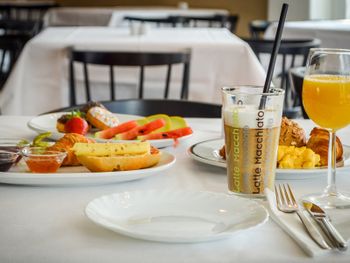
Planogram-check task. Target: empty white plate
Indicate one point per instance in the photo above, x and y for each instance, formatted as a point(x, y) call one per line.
point(175, 215)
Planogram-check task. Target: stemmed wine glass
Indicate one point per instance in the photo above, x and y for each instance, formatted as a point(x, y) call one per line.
point(326, 98)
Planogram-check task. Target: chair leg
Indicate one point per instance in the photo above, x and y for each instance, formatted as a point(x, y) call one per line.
point(167, 82)
point(141, 82)
point(185, 81)
point(72, 95)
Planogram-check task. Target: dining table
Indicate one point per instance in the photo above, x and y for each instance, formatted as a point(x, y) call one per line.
point(332, 33)
point(38, 82)
point(113, 16)
point(47, 223)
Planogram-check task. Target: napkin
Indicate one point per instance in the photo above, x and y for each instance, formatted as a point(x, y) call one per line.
point(292, 225)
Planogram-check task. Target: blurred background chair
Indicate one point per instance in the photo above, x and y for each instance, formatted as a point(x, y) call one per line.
point(257, 28)
point(170, 21)
point(146, 107)
point(296, 76)
point(28, 11)
point(9, 50)
point(127, 59)
point(292, 53)
point(228, 21)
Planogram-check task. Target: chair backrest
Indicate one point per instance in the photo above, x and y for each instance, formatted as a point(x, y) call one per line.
point(296, 76)
point(291, 51)
point(217, 20)
point(172, 21)
point(9, 51)
point(136, 59)
point(257, 28)
point(24, 29)
point(146, 107)
point(25, 11)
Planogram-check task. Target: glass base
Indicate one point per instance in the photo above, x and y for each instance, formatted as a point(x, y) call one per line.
point(330, 201)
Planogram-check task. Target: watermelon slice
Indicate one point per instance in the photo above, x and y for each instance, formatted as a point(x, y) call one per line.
point(111, 132)
point(174, 134)
point(141, 130)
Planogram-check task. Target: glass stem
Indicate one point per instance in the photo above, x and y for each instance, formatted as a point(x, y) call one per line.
point(331, 189)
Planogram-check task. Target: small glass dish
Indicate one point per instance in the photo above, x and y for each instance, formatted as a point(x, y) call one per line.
point(41, 160)
point(7, 159)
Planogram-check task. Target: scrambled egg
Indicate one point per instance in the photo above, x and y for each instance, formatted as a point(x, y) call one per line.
point(291, 157)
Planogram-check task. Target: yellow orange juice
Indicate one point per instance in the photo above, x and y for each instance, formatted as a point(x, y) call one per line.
point(326, 99)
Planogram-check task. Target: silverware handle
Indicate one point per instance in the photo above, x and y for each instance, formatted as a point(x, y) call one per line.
point(313, 231)
point(335, 235)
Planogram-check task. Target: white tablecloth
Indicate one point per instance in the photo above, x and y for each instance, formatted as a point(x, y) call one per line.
point(39, 81)
point(113, 16)
point(47, 224)
point(332, 33)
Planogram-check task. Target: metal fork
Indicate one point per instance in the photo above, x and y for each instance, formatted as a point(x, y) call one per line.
point(286, 203)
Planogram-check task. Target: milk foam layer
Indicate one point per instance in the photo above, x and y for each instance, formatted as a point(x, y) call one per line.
point(249, 116)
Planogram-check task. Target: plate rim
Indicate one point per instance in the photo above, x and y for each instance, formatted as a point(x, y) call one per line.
point(76, 178)
point(216, 236)
point(280, 172)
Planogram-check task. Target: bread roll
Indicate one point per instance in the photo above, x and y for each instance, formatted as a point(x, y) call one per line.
point(318, 142)
point(120, 162)
point(292, 134)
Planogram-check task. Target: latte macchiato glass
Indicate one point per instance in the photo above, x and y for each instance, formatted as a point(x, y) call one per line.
point(252, 121)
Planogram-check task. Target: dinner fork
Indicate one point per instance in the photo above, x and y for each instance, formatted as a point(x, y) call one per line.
point(287, 203)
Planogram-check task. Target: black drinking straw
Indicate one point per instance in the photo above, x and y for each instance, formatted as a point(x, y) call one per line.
point(276, 46)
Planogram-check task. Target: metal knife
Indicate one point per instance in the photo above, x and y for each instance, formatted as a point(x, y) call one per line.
point(321, 217)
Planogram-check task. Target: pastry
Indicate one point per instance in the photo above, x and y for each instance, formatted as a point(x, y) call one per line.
point(101, 118)
point(66, 143)
point(292, 134)
point(318, 142)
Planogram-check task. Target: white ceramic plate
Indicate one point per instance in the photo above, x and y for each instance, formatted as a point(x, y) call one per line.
point(80, 175)
point(207, 152)
point(47, 122)
point(175, 216)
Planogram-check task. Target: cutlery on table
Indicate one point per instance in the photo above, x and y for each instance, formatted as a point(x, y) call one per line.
point(287, 203)
point(322, 218)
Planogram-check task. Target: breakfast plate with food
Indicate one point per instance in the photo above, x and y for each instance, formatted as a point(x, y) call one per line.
point(298, 157)
point(75, 159)
point(95, 121)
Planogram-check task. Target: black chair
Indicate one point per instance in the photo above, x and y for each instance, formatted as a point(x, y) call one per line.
point(171, 21)
point(291, 51)
point(28, 11)
point(257, 28)
point(135, 59)
point(9, 50)
point(296, 76)
point(218, 20)
point(145, 107)
point(23, 30)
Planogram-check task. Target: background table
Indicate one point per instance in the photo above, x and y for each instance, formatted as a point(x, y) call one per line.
point(113, 16)
point(47, 224)
point(332, 33)
point(39, 81)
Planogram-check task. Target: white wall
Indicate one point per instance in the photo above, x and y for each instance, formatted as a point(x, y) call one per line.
point(297, 10)
point(310, 9)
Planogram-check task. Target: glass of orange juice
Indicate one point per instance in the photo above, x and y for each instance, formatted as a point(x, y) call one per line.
point(326, 99)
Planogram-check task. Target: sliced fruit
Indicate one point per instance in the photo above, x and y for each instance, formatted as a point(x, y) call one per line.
point(177, 122)
point(141, 130)
point(111, 132)
point(174, 134)
point(166, 118)
point(142, 121)
point(77, 125)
